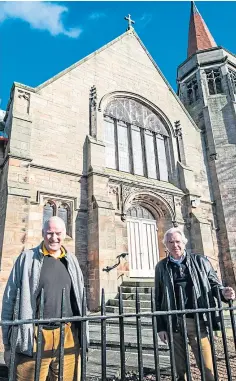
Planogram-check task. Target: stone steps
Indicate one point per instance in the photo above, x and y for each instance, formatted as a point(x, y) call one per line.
point(127, 310)
point(128, 289)
point(132, 296)
point(139, 283)
point(132, 290)
point(130, 337)
point(144, 304)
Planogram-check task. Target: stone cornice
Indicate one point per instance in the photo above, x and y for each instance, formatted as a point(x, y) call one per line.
point(39, 166)
point(58, 170)
point(142, 183)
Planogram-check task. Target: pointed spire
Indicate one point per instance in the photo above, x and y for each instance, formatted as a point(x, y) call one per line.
point(199, 37)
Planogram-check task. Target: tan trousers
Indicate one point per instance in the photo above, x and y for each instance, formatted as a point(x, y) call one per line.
point(179, 350)
point(25, 365)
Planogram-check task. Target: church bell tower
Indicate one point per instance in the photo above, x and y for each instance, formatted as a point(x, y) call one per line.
point(207, 88)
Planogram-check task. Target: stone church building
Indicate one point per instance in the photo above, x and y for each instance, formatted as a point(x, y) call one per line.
point(108, 146)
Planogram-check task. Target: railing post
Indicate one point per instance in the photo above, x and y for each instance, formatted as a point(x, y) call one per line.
point(224, 339)
point(83, 338)
point(211, 338)
point(185, 335)
point(103, 337)
point(155, 337)
point(39, 339)
point(171, 339)
point(139, 337)
point(233, 324)
point(122, 335)
point(62, 338)
point(14, 337)
point(198, 332)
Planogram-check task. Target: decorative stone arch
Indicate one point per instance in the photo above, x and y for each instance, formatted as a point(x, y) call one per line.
point(159, 207)
point(107, 98)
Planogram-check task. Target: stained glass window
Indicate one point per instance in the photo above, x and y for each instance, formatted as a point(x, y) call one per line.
point(135, 113)
point(137, 151)
point(123, 147)
point(110, 143)
point(130, 134)
point(161, 152)
point(150, 154)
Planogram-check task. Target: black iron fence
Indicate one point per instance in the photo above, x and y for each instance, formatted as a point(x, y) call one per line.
point(138, 315)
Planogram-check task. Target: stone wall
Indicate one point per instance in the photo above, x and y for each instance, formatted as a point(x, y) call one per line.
point(51, 155)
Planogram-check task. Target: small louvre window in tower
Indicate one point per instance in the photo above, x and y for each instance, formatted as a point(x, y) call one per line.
point(64, 214)
point(232, 75)
point(49, 210)
point(192, 90)
point(214, 81)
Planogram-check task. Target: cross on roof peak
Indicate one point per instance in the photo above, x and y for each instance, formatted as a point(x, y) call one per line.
point(130, 22)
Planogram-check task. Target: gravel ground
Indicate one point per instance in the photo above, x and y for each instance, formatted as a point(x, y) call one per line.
point(222, 372)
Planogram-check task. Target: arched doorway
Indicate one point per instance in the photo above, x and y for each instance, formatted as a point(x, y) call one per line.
point(142, 242)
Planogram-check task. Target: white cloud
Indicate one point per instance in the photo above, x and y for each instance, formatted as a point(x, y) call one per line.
point(145, 19)
point(2, 114)
point(96, 15)
point(40, 15)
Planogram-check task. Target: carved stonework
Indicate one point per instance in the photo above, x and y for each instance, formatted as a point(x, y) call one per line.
point(93, 111)
point(24, 102)
point(178, 202)
point(163, 203)
point(179, 141)
point(213, 156)
point(175, 224)
point(188, 223)
point(113, 189)
point(178, 129)
point(123, 217)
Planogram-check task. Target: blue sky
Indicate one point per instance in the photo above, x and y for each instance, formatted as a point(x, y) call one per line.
point(40, 39)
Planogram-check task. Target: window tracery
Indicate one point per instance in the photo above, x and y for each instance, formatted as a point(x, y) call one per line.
point(214, 81)
point(135, 139)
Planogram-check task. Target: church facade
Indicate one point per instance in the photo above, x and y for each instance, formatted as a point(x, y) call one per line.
point(108, 146)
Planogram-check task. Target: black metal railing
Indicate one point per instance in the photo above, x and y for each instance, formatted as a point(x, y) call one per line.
point(109, 268)
point(138, 317)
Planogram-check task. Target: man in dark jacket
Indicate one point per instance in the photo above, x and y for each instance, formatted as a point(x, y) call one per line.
point(181, 270)
point(52, 268)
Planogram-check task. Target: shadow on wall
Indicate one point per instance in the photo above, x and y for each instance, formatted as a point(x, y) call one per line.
point(229, 117)
point(81, 221)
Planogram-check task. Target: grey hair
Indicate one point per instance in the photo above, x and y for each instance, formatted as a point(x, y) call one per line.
point(55, 219)
point(174, 230)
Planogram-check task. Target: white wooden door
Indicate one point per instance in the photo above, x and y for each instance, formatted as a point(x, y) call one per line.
point(143, 247)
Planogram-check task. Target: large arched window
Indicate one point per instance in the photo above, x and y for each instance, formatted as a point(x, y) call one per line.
point(136, 139)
